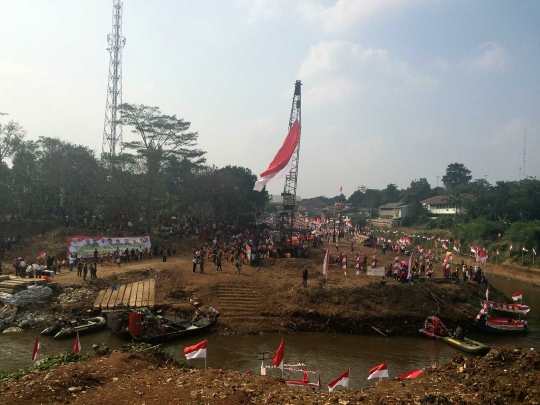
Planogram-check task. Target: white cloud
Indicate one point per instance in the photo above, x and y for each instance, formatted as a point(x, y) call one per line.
point(492, 56)
point(340, 68)
point(257, 10)
point(344, 14)
point(332, 90)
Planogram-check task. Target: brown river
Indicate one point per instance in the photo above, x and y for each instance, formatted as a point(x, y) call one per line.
point(327, 354)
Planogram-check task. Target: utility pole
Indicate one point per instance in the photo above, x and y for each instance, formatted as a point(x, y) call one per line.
point(112, 132)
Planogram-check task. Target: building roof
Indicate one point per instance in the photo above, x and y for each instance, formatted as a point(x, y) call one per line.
point(390, 206)
point(442, 199)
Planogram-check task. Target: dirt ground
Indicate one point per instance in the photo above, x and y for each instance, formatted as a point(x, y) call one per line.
point(501, 377)
point(270, 298)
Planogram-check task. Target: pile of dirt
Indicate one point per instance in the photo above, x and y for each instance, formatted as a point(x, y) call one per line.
point(502, 377)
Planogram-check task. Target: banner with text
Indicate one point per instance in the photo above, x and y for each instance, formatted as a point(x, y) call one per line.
point(378, 271)
point(84, 246)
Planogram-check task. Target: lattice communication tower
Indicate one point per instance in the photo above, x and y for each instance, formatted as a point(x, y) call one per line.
point(112, 132)
point(291, 180)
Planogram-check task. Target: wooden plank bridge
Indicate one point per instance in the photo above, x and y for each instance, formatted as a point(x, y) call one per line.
point(134, 295)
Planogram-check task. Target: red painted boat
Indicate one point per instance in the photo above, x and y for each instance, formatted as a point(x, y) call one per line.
point(502, 325)
point(304, 382)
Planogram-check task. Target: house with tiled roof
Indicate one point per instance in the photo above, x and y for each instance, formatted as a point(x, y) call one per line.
point(439, 205)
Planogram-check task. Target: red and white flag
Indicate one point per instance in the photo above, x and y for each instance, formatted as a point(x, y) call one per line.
point(487, 293)
point(197, 351)
point(37, 346)
point(525, 249)
point(498, 252)
point(326, 261)
point(410, 374)
point(42, 255)
point(282, 163)
point(342, 380)
point(456, 247)
point(340, 189)
point(409, 270)
point(534, 251)
point(381, 371)
point(517, 296)
point(279, 356)
point(77, 346)
point(511, 246)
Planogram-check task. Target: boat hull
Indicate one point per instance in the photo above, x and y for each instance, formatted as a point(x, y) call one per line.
point(159, 338)
point(468, 345)
point(93, 325)
point(503, 326)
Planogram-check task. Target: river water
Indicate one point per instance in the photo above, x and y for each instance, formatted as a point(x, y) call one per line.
point(327, 354)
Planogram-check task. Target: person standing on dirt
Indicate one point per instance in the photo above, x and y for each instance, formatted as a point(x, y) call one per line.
point(194, 263)
point(95, 256)
point(16, 265)
point(218, 263)
point(164, 255)
point(22, 271)
point(305, 276)
point(79, 269)
point(85, 271)
point(337, 244)
point(238, 265)
point(203, 254)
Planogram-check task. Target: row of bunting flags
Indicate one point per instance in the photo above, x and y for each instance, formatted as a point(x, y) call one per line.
point(199, 351)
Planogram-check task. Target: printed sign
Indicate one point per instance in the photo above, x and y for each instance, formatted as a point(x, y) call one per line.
point(377, 271)
point(84, 246)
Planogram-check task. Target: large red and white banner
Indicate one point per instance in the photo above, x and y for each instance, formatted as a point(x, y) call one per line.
point(84, 246)
point(282, 163)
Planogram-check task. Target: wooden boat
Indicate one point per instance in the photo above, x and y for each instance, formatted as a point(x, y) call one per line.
point(467, 345)
point(434, 328)
point(304, 382)
point(502, 325)
point(142, 325)
point(83, 326)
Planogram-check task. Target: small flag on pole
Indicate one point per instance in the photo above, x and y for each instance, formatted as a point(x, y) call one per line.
point(279, 356)
point(381, 371)
point(342, 380)
point(487, 293)
point(534, 251)
point(197, 351)
point(326, 260)
point(517, 296)
point(410, 374)
point(77, 346)
point(511, 246)
point(37, 346)
point(525, 249)
point(42, 255)
point(498, 252)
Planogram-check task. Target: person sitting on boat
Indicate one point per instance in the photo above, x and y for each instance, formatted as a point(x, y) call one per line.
point(212, 312)
point(459, 333)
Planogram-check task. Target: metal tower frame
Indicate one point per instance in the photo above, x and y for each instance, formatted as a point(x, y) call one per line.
point(112, 132)
point(291, 180)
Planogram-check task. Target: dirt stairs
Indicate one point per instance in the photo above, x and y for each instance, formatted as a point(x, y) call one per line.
point(240, 300)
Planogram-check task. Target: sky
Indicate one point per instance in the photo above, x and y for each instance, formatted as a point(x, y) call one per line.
point(393, 90)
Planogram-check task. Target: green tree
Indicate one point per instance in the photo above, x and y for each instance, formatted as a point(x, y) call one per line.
point(456, 175)
point(161, 137)
point(11, 136)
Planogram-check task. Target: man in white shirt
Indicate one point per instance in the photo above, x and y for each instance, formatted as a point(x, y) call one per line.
point(23, 268)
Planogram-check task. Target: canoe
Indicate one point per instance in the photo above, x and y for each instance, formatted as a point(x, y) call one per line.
point(51, 330)
point(89, 325)
point(468, 345)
